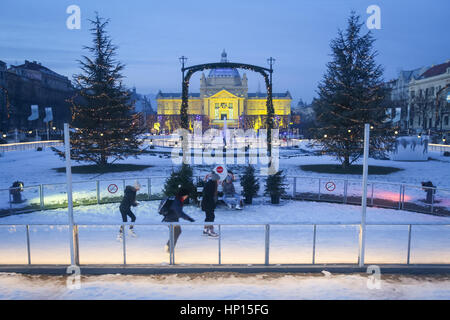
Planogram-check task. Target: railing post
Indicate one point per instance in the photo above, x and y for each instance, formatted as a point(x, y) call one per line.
point(371, 196)
point(345, 190)
point(319, 188)
point(314, 245)
point(41, 196)
point(149, 188)
point(400, 197)
point(97, 186)
point(433, 190)
point(124, 245)
point(409, 245)
point(171, 242)
point(267, 246)
point(76, 245)
point(294, 187)
point(28, 244)
point(220, 245)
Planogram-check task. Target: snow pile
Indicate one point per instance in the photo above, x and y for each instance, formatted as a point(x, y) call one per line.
point(225, 286)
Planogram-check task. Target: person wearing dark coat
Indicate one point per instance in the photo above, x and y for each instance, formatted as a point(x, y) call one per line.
point(209, 200)
point(129, 200)
point(175, 213)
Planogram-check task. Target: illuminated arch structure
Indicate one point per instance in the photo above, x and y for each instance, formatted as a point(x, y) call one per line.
point(225, 66)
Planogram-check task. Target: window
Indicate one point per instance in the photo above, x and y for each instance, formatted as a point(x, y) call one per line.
point(413, 94)
point(446, 121)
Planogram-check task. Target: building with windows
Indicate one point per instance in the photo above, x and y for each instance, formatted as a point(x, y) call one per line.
point(429, 103)
point(32, 84)
point(224, 95)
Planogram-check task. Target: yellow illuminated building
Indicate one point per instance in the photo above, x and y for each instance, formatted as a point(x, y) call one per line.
point(224, 95)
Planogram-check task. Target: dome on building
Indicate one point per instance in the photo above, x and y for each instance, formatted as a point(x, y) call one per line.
point(224, 72)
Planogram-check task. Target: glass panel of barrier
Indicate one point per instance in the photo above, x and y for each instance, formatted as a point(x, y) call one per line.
point(111, 190)
point(148, 246)
point(242, 244)
point(307, 188)
point(441, 202)
point(291, 244)
point(99, 244)
point(337, 244)
point(384, 195)
point(49, 244)
point(416, 199)
point(195, 248)
point(157, 187)
point(386, 244)
point(84, 193)
point(332, 190)
point(25, 200)
point(55, 195)
point(142, 194)
point(430, 244)
point(13, 245)
point(354, 191)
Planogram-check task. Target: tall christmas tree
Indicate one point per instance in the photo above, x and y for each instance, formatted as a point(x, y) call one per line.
point(102, 113)
point(352, 93)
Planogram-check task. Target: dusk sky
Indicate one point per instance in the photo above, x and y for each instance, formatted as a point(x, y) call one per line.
point(151, 35)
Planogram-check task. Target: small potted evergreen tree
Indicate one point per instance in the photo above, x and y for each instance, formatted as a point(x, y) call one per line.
point(275, 186)
point(250, 184)
point(181, 178)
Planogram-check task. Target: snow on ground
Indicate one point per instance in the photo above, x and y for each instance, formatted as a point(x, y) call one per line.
point(34, 168)
point(225, 286)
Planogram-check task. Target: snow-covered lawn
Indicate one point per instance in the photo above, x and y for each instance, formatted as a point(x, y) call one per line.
point(225, 286)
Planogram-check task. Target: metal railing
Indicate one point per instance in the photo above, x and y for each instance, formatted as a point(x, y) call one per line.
point(267, 240)
point(347, 191)
point(438, 147)
point(22, 146)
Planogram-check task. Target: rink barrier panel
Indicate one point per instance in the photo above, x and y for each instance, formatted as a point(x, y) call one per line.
point(390, 195)
point(266, 239)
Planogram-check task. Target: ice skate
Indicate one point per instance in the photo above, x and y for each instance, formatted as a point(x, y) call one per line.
point(167, 248)
point(131, 233)
point(212, 233)
point(120, 237)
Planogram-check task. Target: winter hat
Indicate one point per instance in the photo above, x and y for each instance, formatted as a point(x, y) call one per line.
point(137, 185)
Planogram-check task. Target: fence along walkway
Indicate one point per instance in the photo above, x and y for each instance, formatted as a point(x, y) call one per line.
point(380, 194)
point(266, 246)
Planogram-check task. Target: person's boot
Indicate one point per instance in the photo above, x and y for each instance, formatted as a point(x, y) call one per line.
point(120, 235)
point(132, 233)
point(211, 232)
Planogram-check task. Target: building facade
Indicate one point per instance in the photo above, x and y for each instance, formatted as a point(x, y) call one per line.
point(32, 84)
point(429, 101)
point(224, 97)
point(400, 94)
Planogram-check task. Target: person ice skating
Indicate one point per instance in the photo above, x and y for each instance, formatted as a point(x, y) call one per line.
point(209, 201)
point(129, 199)
point(231, 199)
point(176, 212)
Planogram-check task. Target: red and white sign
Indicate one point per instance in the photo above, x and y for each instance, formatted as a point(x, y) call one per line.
point(221, 171)
point(112, 188)
point(330, 186)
